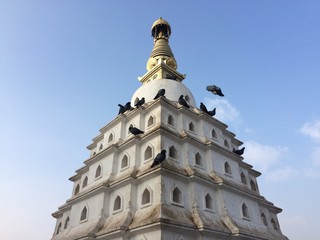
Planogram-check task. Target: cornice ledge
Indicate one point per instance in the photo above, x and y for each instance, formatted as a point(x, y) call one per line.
point(146, 77)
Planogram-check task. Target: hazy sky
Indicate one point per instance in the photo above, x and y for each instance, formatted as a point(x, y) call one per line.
point(65, 65)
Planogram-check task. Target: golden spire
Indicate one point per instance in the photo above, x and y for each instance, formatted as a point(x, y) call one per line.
point(161, 51)
point(161, 63)
point(160, 29)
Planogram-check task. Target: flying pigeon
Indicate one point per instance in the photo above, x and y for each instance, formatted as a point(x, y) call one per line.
point(159, 158)
point(160, 93)
point(128, 106)
point(183, 102)
point(135, 131)
point(122, 109)
point(215, 90)
point(140, 102)
point(239, 151)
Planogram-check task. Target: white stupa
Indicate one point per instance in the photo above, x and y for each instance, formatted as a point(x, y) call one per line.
point(203, 190)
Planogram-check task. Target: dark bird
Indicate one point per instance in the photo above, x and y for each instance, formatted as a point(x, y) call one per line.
point(215, 90)
point(135, 131)
point(203, 108)
point(140, 102)
point(159, 158)
point(122, 109)
point(183, 102)
point(128, 106)
point(239, 151)
point(160, 93)
point(212, 113)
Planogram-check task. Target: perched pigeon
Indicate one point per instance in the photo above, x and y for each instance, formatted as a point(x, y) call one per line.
point(122, 109)
point(239, 151)
point(160, 93)
point(183, 102)
point(212, 113)
point(135, 131)
point(159, 158)
point(203, 108)
point(128, 106)
point(140, 102)
point(215, 90)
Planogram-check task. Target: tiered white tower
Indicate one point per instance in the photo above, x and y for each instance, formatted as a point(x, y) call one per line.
point(203, 190)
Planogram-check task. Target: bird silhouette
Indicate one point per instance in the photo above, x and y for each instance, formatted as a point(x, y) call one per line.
point(159, 158)
point(204, 109)
point(135, 131)
point(239, 151)
point(183, 102)
point(128, 106)
point(160, 93)
point(122, 109)
point(215, 90)
point(140, 102)
point(212, 113)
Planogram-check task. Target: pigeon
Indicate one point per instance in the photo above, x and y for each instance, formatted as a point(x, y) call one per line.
point(203, 108)
point(159, 158)
point(239, 151)
point(135, 131)
point(140, 102)
point(212, 113)
point(122, 109)
point(128, 106)
point(215, 90)
point(160, 93)
point(183, 102)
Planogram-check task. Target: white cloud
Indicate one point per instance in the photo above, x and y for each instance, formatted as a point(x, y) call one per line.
point(225, 112)
point(263, 157)
point(311, 129)
point(282, 174)
point(269, 160)
point(294, 227)
point(316, 156)
point(250, 131)
point(311, 172)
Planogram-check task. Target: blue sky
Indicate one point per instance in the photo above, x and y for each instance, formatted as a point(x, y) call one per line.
point(65, 65)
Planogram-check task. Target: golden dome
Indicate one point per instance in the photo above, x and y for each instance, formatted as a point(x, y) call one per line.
point(161, 29)
point(159, 22)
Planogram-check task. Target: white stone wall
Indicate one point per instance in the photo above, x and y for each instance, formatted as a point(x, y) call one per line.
point(193, 191)
point(173, 90)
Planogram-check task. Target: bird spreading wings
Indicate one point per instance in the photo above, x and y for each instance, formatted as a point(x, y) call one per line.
point(183, 102)
point(135, 131)
point(215, 90)
point(160, 93)
point(159, 158)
